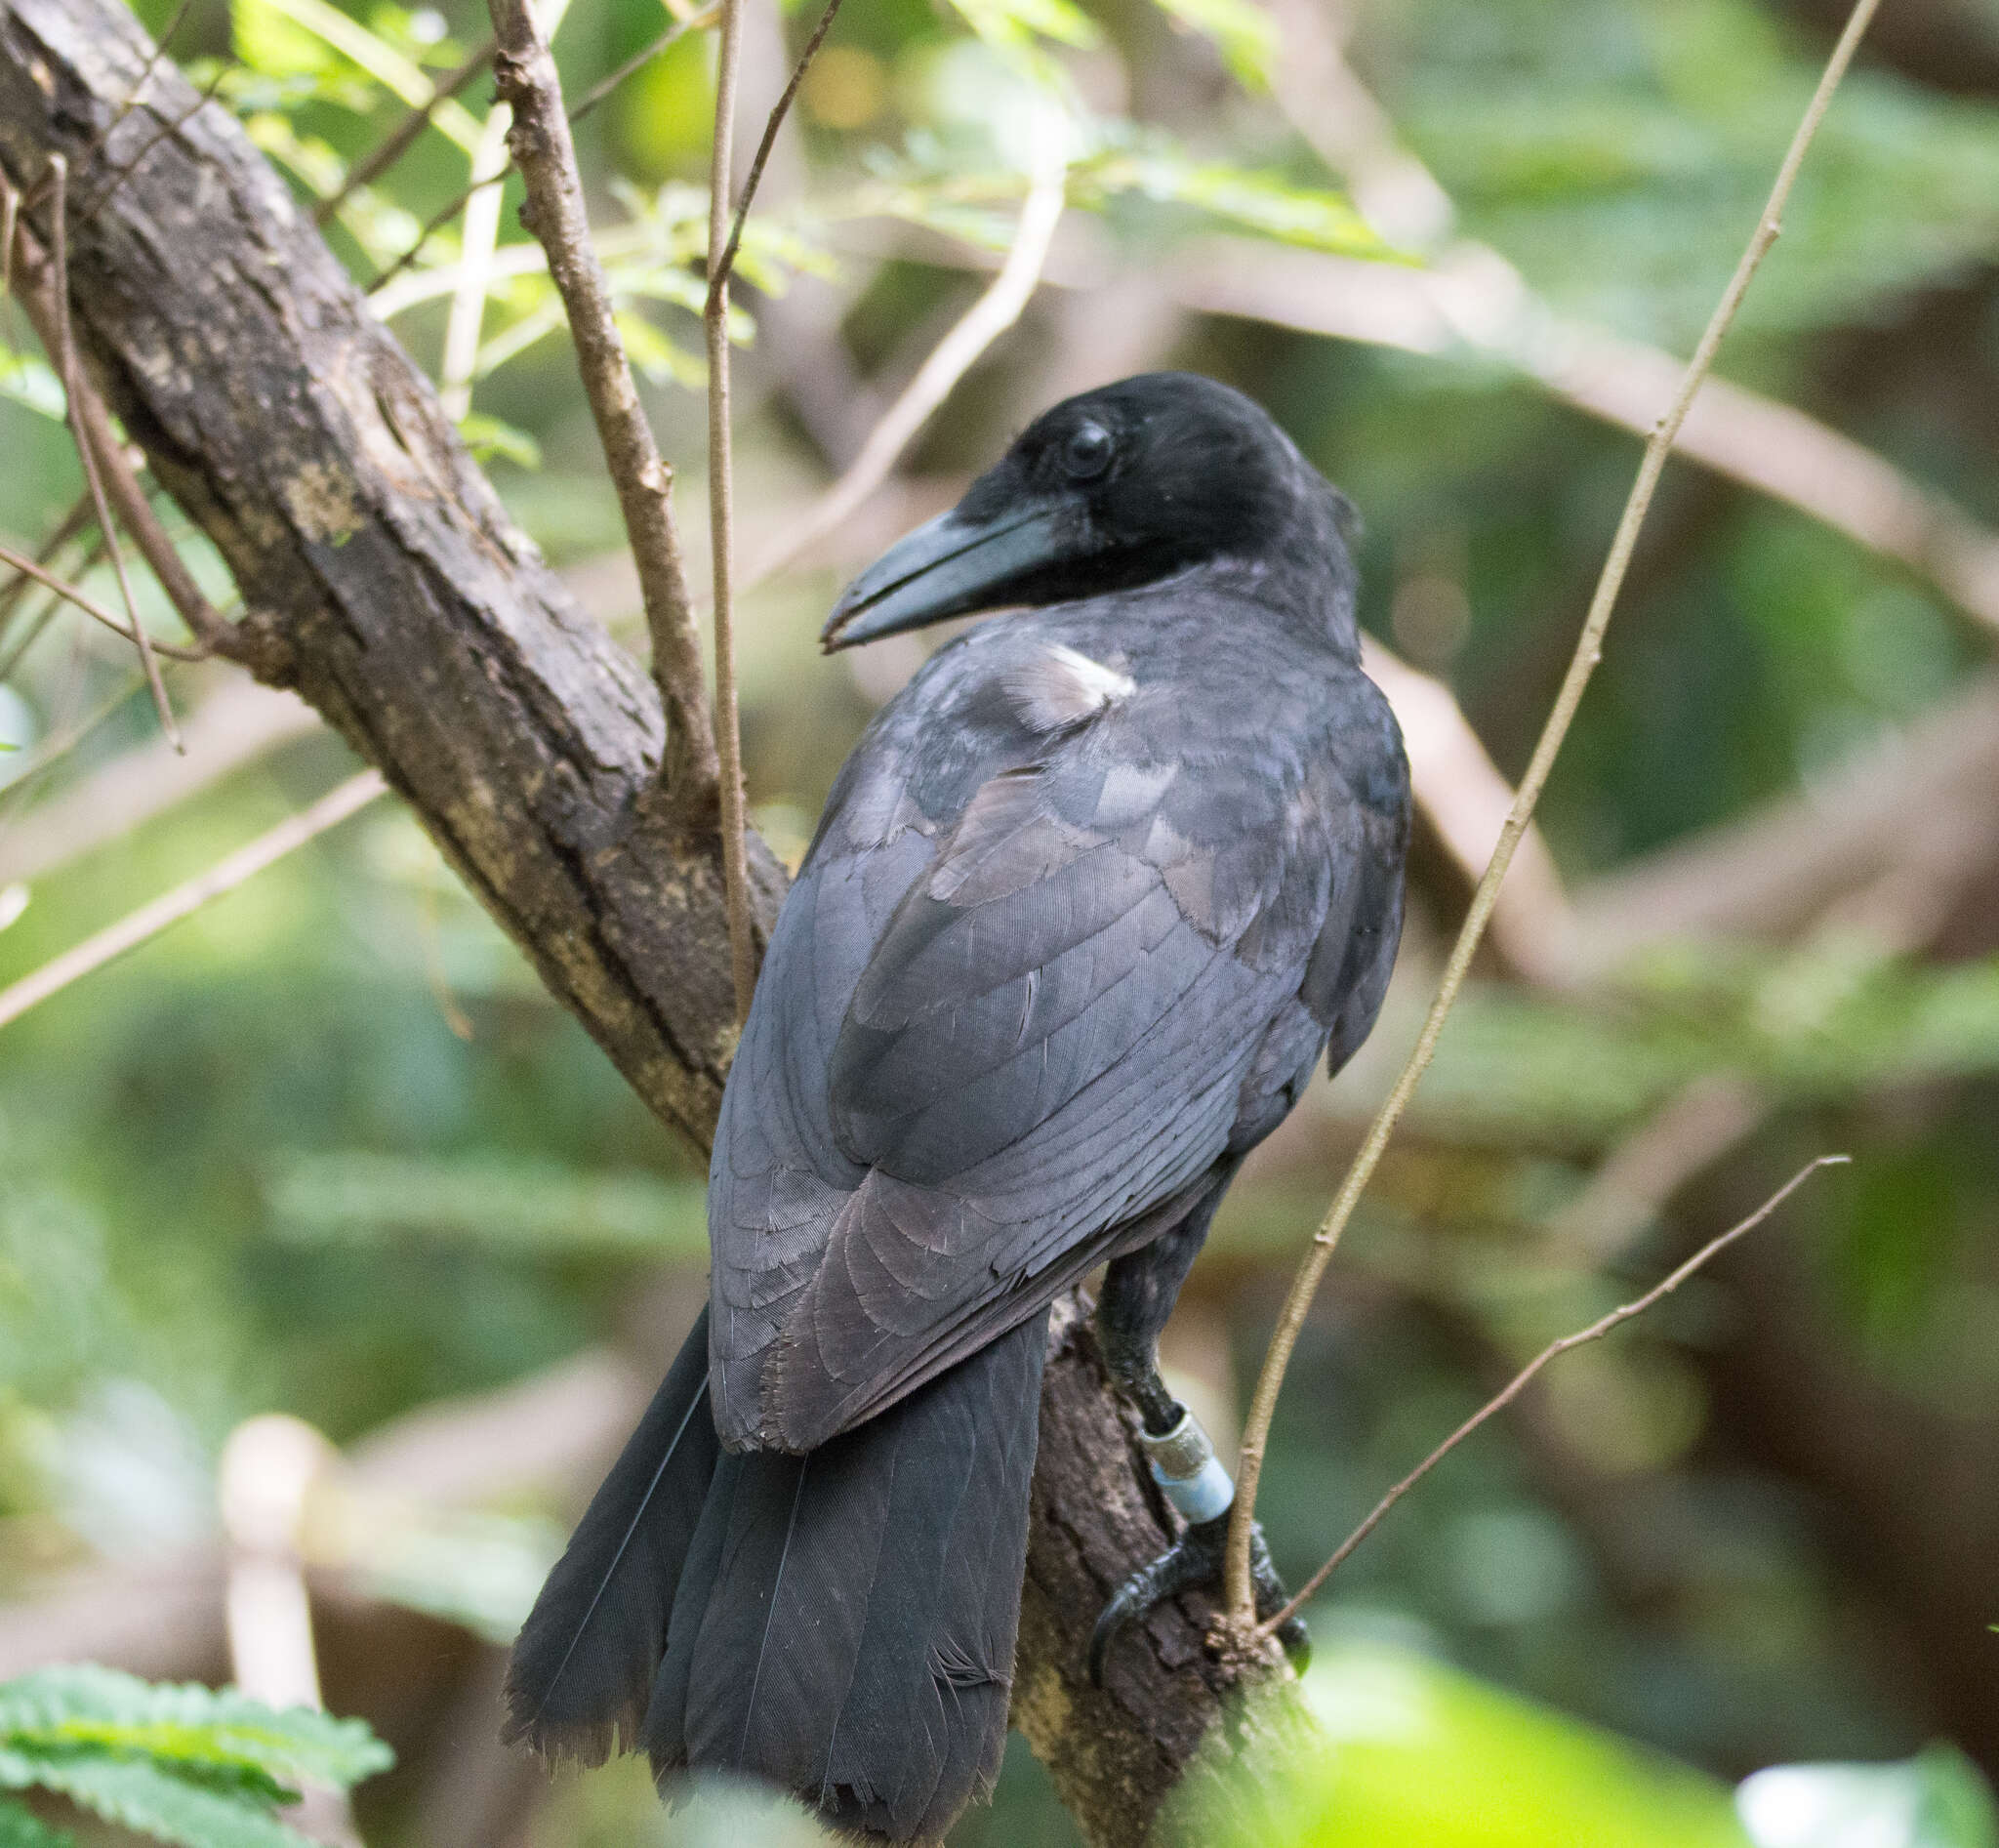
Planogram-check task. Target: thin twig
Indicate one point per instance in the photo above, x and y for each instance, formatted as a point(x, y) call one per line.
point(990, 316)
point(69, 593)
point(149, 921)
point(526, 79)
point(1240, 1597)
point(67, 528)
point(728, 731)
point(71, 372)
point(208, 626)
point(436, 222)
point(1520, 1382)
point(398, 144)
point(720, 273)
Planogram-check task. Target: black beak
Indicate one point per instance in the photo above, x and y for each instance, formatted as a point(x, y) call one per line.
point(949, 567)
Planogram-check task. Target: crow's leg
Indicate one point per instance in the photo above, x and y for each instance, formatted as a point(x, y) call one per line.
point(1139, 1293)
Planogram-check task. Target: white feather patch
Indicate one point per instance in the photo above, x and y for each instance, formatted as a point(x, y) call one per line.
point(1063, 687)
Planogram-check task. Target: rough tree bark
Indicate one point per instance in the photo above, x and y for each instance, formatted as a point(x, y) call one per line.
point(386, 585)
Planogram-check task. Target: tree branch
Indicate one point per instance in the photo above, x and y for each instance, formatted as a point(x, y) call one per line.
point(525, 75)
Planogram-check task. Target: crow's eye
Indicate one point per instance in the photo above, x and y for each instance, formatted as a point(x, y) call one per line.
point(1087, 452)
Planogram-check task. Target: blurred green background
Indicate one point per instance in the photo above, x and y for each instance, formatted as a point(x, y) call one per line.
point(327, 1148)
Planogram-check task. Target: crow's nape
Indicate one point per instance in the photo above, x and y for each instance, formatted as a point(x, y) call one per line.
point(845, 1619)
point(583, 1665)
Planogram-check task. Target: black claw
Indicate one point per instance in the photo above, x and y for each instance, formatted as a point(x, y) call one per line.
point(1197, 1558)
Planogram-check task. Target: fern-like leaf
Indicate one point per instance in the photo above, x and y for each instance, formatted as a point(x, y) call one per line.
point(142, 1796)
point(82, 1708)
point(21, 1828)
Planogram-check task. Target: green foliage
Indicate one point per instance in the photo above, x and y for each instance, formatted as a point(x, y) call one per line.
point(1416, 1751)
point(1412, 1750)
point(1621, 154)
point(186, 1765)
point(1823, 1023)
point(1244, 33)
point(21, 1828)
point(507, 1202)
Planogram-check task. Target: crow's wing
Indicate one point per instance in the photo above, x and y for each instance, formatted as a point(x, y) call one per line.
point(1085, 990)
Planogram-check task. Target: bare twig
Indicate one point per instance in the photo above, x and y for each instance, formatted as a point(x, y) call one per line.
point(71, 374)
point(367, 171)
point(720, 273)
point(990, 316)
point(728, 732)
point(67, 528)
point(238, 722)
point(69, 593)
point(543, 150)
point(1520, 1382)
point(596, 95)
point(149, 921)
point(91, 423)
point(1588, 650)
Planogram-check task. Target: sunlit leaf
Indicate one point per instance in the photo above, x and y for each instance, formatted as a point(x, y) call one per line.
point(1015, 25)
point(1415, 1751)
point(489, 438)
point(1244, 34)
point(30, 381)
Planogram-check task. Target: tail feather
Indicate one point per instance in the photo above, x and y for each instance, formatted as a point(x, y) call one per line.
point(583, 1665)
point(845, 1619)
point(840, 1623)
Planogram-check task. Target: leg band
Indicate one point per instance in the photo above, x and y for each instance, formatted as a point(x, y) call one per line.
point(1186, 1468)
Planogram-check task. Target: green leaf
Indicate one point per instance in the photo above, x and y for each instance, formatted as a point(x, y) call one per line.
point(21, 1828)
point(490, 436)
point(1244, 33)
point(499, 1200)
point(1935, 1799)
point(139, 1795)
point(1410, 1751)
point(31, 383)
point(1264, 203)
point(82, 1706)
point(1015, 25)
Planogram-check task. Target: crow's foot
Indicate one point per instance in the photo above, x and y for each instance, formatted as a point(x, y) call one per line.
point(1194, 1559)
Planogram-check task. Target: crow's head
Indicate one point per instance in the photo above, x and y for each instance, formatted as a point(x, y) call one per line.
point(1121, 486)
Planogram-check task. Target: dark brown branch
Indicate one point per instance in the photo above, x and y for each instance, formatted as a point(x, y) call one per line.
point(540, 143)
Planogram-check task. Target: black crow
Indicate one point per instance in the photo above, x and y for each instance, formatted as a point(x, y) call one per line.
point(1089, 903)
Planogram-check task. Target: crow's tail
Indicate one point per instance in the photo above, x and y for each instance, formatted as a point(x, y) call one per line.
point(840, 1625)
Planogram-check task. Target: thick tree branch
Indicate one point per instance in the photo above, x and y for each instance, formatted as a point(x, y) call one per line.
point(392, 593)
